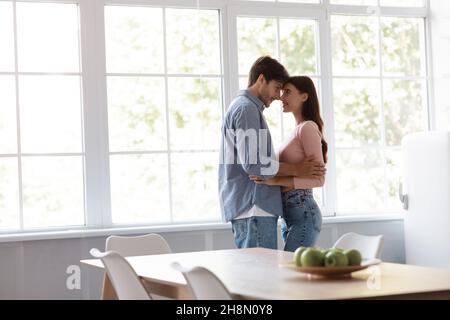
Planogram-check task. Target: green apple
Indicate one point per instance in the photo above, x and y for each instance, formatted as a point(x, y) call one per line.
point(341, 259)
point(312, 258)
point(354, 257)
point(298, 256)
point(330, 259)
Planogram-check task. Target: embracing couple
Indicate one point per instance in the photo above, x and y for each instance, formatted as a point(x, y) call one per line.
point(257, 185)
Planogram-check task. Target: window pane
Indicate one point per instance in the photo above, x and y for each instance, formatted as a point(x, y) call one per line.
point(403, 46)
point(8, 120)
point(356, 2)
point(53, 192)
point(6, 37)
point(139, 189)
point(357, 112)
point(9, 194)
point(393, 173)
point(193, 41)
point(47, 35)
point(404, 108)
point(137, 114)
point(318, 196)
point(355, 45)
point(243, 82)
point(360, 182)
point(251, 47)
point(50, 114)
point(134, 39)
point(195, 113)
point(402, 3)
point(194, 186)
point(298, 46)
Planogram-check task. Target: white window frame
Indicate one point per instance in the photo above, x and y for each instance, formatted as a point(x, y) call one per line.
point(19, 154)
point(215, 5)
point(390, 12)
point(93, 72)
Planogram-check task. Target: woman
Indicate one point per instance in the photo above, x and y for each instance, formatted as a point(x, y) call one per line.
point(302, 216)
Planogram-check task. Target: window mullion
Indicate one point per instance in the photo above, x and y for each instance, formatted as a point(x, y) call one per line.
point(19, 145)
point(382, 111)
point(233, 83)
point(324, 53)
point(225, 60)
point(431, 110)
point(93, 61)
point(166, 92)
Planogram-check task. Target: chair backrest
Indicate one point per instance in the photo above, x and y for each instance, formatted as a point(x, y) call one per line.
point(204, 284)
point(124, 279)
point(138, 246)
point(369, 246)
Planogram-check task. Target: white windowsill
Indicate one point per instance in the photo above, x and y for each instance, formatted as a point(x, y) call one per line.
point(87, 233)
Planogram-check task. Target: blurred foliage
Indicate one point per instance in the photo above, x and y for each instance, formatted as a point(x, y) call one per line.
point(354, 45)
point(149, 115)
point(298, 47)
point(401, 45)
point(357, 115)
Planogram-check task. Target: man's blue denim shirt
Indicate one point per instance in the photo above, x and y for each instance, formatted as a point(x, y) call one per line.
point(237, 193)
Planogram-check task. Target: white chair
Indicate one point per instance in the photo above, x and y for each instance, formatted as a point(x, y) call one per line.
point(138, 246)
point(204, 284)
point(148, 244)
point(369, 246)
point(124, 279)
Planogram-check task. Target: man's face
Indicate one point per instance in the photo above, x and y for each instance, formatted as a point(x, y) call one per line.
point(270, 91)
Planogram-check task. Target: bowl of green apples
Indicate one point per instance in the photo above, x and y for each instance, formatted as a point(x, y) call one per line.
point(329, 262)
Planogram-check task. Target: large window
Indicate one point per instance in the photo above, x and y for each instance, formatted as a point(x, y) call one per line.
point(379, 95)
point(41, 149)
point(110, 111)
point(165, 109)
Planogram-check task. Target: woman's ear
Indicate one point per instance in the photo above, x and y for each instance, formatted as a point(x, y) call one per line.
point(304, 97)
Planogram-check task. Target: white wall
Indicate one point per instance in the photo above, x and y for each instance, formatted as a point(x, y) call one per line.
point(440, 40)
point(37, 269)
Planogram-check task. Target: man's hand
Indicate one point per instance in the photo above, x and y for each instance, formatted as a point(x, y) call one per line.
point(268, 182)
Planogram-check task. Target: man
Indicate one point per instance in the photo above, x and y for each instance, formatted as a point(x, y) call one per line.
point(246, 149)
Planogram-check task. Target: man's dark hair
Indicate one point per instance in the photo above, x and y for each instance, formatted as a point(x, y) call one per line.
point(270, 68)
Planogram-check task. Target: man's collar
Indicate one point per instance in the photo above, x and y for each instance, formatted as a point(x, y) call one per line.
point(254, 99)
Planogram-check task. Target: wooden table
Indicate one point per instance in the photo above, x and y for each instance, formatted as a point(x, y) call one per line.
point(257, 274)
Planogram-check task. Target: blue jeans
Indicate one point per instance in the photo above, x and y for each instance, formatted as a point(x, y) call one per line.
point(255, 232)
point(302, 219)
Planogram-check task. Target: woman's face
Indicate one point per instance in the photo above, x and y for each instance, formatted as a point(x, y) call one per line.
point(292, 99)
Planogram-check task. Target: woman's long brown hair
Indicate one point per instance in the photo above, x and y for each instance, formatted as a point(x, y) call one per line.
point(311, 107)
